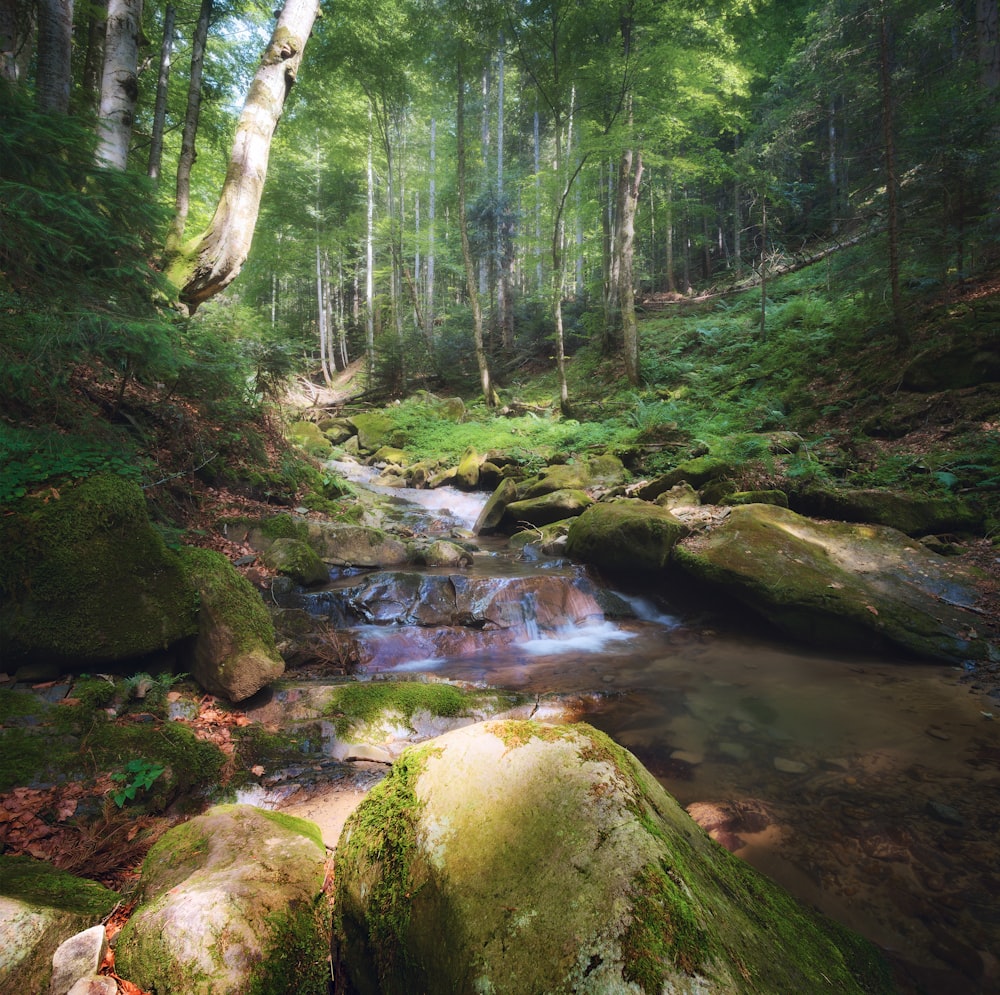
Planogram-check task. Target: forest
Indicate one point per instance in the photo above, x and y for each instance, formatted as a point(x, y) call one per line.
point(696, 302)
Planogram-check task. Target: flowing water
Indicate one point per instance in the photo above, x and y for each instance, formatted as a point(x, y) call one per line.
point(867, 788)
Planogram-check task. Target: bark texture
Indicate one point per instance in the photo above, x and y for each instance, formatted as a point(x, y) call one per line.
point(214, 259)
point(55, 40)
point(119, 84)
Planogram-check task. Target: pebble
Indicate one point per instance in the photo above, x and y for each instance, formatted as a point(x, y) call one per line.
point(944, 813)
point(936, 733)
point(688, 757)
point(735, 750)
point(790, 766)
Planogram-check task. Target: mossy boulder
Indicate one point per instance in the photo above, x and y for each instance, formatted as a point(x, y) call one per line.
point(561, 476)
point(234, 653)
point(953, 366)
point(40, 907)
point(914, 514)
point(442, 553)
point(298, 560)
point(85, 579)
point(467, 471)
point(863, 587)
point(681, 495)
point(355, 545)
point(516, 857)
point(780, 498)
point(547, 508)
point(697, 472)
point(308, 436)
point(493, 511)
point(375, 430)
point(625, 535)
point(337, 430)
point(230, 902)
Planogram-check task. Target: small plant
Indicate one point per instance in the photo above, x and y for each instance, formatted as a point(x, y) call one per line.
point(138, 775)
point(150, 692)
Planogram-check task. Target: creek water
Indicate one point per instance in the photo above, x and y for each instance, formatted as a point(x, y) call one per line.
point(868, 788)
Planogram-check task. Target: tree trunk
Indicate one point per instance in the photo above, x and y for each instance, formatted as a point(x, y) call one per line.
point(431, 208)
point(489, 395)
point(185, 163)
point(629, 180)
point(93, 60)
point(321, 318)
point(216, 257)
point(55, 43)
point(160, 110)
point(10, 41)
point(119, 83)
point(988, 43)
point(370, 258)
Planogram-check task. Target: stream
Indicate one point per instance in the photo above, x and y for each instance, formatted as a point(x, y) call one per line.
point(867, 788)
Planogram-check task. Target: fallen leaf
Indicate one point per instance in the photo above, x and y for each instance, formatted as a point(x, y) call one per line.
point(872, 609)
point(257, 770)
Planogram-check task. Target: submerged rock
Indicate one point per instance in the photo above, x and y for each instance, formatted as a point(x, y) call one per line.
point(521, 858)
point(230, 902)
point(864, 587)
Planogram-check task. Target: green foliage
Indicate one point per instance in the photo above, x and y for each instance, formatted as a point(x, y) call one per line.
point(138, 775)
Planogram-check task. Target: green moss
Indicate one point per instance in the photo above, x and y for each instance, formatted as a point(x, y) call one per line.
point(283, 527)
point(354, 704)
point(298, 951)
point(514, 733)
point(293, 824)
point(39, 883)
point(18, 704)
point(94, 692)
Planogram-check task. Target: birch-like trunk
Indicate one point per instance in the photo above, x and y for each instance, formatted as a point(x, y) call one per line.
point(160, 109)
point(185, 162)
point(55, 42)
point(119, 83)
point(215, 258)
point(431, 208)
point(629, 180)
point(370, 259)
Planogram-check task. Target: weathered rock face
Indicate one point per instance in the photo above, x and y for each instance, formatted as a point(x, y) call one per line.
point(625, 535)
point(547, 508)
point(853, 586)
point(40, 908)
point(597, 471)
point(697, 472)
point(355, 545)
point(493, 511)
point(234, 653)
point(86, 579)
point(230, 903)
point(520, 858)
point(296, 559)
point(467, 471)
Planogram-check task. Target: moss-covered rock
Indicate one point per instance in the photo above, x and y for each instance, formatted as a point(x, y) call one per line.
point(442, 553)
point(697, 472)
point(467, 471)
point(493, 511)
point(234, 653)
point(375, 430)
point(85, 579)
point(230, 903)
point(547, 508)
point(625, 535)
point(951, 366)
point(780, 498)
point(862, 587)
point(308, 436)
point(914, 514)
point(337, 430)
point(40, 907)
point(521, 858)
point(355, 545)
point(298, 560)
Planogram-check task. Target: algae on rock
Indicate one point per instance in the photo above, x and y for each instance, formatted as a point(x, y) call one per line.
point(520, 858)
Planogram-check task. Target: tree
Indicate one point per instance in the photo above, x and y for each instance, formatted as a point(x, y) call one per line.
point(55, 38)
point(212, 260)
point(119, 82)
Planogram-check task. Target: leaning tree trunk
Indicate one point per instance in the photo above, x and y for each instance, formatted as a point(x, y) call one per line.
point(212, 260)
point(119, 84)
point(55, 42)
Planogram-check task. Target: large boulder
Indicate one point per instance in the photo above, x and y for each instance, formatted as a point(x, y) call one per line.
point(298, 560)
point(355, 545)
point(467, 471)
point(85, 579)
point(625, 535)
point(234, 653)
point(493, 511)
point(697, 472)
point(521, 858)
point(40, 908)
point(864, 587)
point(230, 902)
point(547, 508)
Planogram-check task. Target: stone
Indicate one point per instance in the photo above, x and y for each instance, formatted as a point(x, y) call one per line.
point(625, 535)
point(97, 985)
point(855, 587)
point(493, 511)
point(547, 508)
point(442, 553)
point(787, 766)
point(234, 652)
point(467, 471)
point(230, 902)
point(516, 857)
point(780, 498)
point(308, 436)
point(375, 429)
point(355, 545)
point(681, 495)
point(298, 560)
point(566, 476)
point(696, 472)
point(87, 580)
point(78, 957)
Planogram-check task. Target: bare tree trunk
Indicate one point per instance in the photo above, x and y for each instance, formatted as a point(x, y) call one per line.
point(629, 180)
point(489, 395)
point(55, 43)
point(891, 179)
point(370, 258)
point(216, 257)
point(119, 84)
point(185, 163)
point(93, 60)
point(321, 316)
point(10, 41)
point(988, 42)
point(431, 208)
point(162, 80)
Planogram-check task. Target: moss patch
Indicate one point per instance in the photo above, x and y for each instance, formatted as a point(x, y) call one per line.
point(354, 704)
point(38, 883)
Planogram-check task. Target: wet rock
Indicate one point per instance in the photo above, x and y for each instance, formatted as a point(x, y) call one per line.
point(547, 508)
point(520, 858)
point(787, 766)
point(221, 899)
point(493, 511)
point(355, 545)
point(861, 587)
point(944, 813)
point(298, 560)
point(467, 471)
